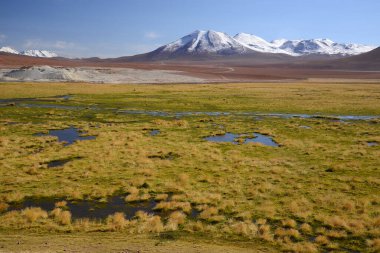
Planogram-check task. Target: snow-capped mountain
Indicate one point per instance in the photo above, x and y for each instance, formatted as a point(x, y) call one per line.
point(202, 42)
point(258, 44)
point(219, 43)
point(321, 46)
point(39, 53)
point(301, 47)
point(34, 53)
point(8, 50)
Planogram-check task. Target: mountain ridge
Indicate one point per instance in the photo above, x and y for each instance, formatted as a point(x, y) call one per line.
point(31, 52)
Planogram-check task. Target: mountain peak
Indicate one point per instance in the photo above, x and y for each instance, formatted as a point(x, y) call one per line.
point(9, 50)
point(211, 43)
point(202, 42)
point(34, 53)
point(39, 53)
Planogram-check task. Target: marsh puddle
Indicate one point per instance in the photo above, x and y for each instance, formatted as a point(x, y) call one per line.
point(372, 143)
point(89, 208)
point(68, 135)
point(165, 156)
point(243, 139)
point(61, 162)
point(154, 132)
point(96, 210)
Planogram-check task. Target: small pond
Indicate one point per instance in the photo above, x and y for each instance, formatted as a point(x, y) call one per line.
point(372, 143)
point(68, 135)
point(96, 210)
point(243, 138)
point(154, 132)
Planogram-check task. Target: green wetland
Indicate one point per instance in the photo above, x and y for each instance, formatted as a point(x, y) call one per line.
point(257, 167)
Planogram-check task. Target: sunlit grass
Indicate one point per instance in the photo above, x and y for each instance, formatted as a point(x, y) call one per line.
point(317, 191)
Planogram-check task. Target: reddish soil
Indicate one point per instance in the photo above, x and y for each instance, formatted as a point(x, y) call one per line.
point(210, 70)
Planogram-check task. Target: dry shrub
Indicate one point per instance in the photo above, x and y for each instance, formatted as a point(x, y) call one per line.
point(167, 123)
point(227, 205)
point(62, 217)
point(246, 228)
point(207, 198)
point(65, 218)
point(141, 215)
point(211, 214)
point(261, 221)
point(155, 224)
point(302, 247)
point(175, 219)
point(289, 223)
point(83, 224)
point(145, 172)
point(374, 244)
point(306, 228)
point(183, 179)
point(117, 221)
point(265, 232)
point(321, 239)
point(194, 226)
point(301, 207)
point(161, 197)
point(148, 223)
point(32, 214)
point(291, 233)
point(174, 205)
point(61, 204)
point(336, 233)
point(336, 222)
point(244, 216)
point(3, 206)
point(136, 195)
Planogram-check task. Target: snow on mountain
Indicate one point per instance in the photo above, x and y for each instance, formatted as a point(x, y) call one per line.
point(34, 53)
point(320, 46)
point(39, 53)
point(200, 42)
point(8, 50)
point(257, 44)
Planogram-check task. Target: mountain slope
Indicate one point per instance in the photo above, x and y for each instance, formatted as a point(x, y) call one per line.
point(366, 61)
point(34, 53)
point(9, 50)
point(258, 44)
point(201, 45)
point(39, 53)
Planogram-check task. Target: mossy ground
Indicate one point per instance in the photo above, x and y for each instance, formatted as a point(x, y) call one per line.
point(318, 191)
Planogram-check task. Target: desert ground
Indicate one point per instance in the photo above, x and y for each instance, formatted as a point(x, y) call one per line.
point(209, 167)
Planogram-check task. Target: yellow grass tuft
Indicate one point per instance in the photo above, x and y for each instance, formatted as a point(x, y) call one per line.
point(246, 228)
point(33, 214)
point(306, 228)
point(61, 204)
point(289, 223)
point(3, 206)
point(321, 239)
point(175, 219)
point(117, 221)
point(62, 217)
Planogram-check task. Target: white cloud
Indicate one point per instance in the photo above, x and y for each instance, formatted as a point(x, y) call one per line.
point(40, 44)
point(151, 35)
point(2, 37)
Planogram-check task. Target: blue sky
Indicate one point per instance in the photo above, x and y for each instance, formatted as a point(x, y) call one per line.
point(109, 28)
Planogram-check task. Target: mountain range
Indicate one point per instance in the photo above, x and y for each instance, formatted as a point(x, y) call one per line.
point(200, 45)
point(203, 43)
point(34, 53)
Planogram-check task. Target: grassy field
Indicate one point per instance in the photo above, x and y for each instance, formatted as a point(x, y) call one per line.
point(318, 191)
